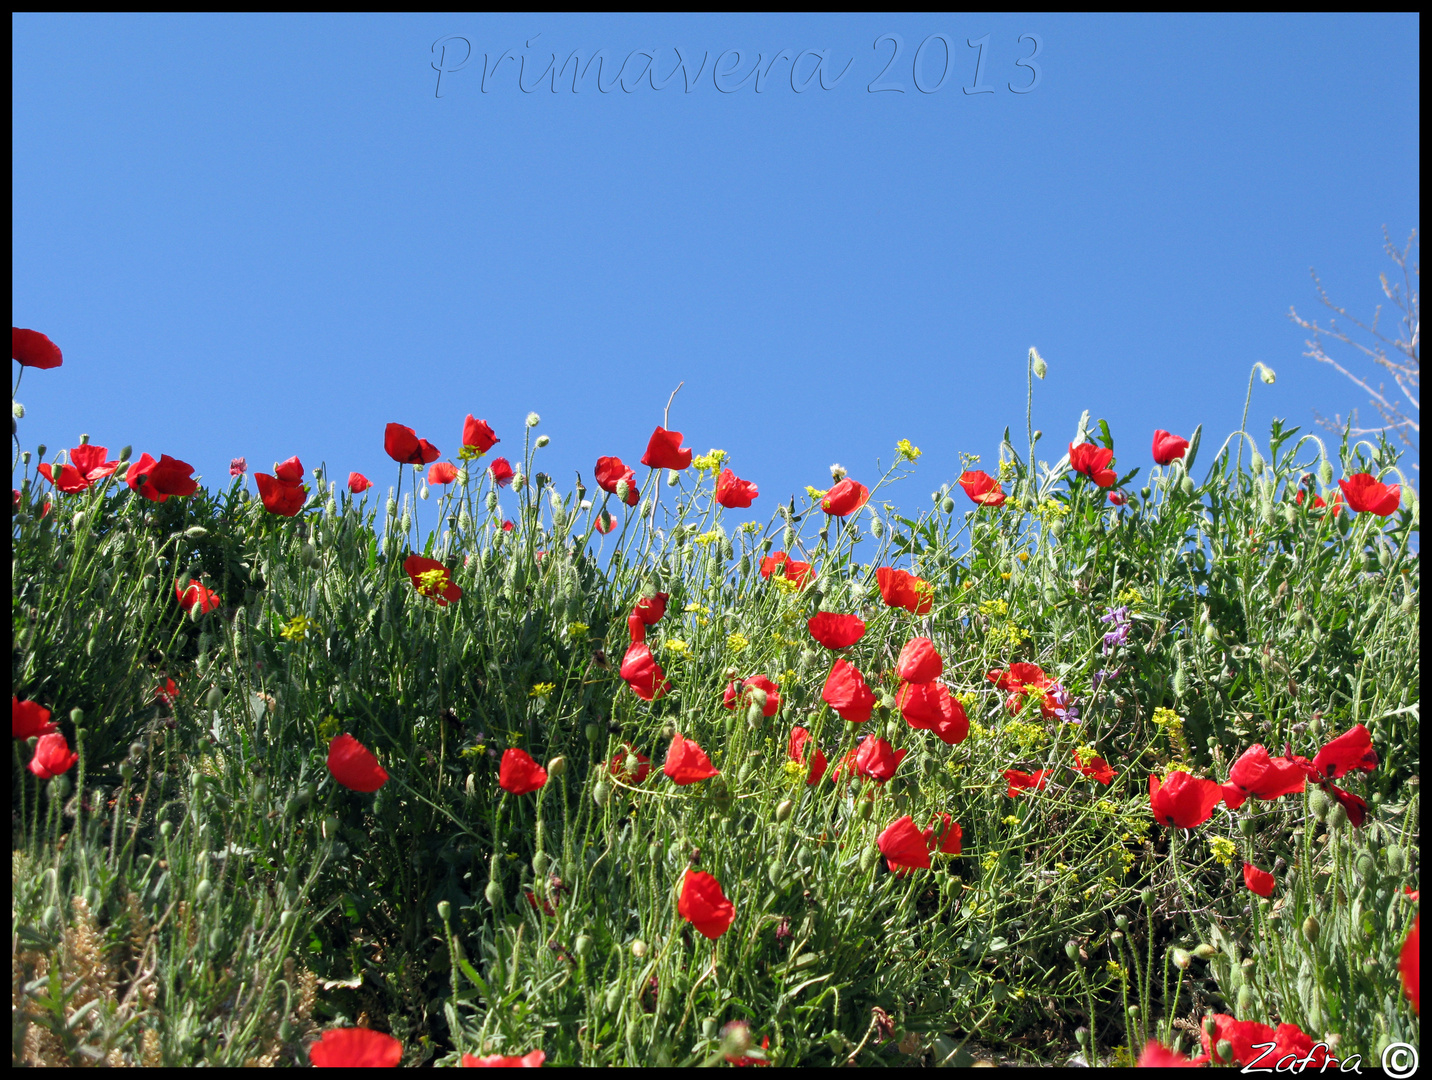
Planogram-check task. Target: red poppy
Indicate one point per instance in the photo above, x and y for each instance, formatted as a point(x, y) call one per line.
point(704, 905)
point(876, 759)
point(1257, 775)
point(1409, 964)
point(545, 906)
point(1365, 494)
point(441, 590)
point(604, 523)
point(1168, 448)
point(650, 609)
point(836, 631)
point(66, 477)
point(29, 718)
point(734, 493)
point(944, 836)
point(442, 472)
point(845, 692)
point(354, 766)
point(1350, 750)
point(1157, 1056)
point(621, 766)
point(1182, 800)
point(687, 763)
point(919, 662)
point(1354, 806)
point(610, 472)
point(87, 465)
point(166, 692)
point(642, 673)
point(1018, 678)
point(742, 1061)
point(982, 488)
point(477, 434)
point(157, 480)
point(403, 445)
point(1249, 1040)
point(1259, 881)
point(1319, 504)
point(905, 847)
point(358, 483)
point(664, 451)
point(533, 1060)
point(1097, 769)
point(34, 349)
point(904, 590)
point(501, 472)
point(742, 693)
point(52, 756)
point(797, 572)
point(283, 493)
point(355, 1048)
point(519, 773)
point(636, 628)
point(507, 525)
point(1093, 462)
point(1020, 782)
point(845, 498)
point(196, 595)
point(796, 751)
point(1118, 498)
point(929, 707)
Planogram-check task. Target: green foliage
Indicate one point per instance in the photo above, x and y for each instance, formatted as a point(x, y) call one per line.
point(246, 899)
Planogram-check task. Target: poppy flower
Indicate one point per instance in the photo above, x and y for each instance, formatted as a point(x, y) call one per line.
point(358, 483)
point(1093, 462)
point(1020, 782)
point(982, 488)
point(796, 750)
point(354, 766)
point(904, 590)
point(1097, 769)
point(1365, 494)
point(34, 349)
point(65, 477)
point(404, 446)
point(604, 523)
point(442, 472)
point(742, 693)
point(157, 480)
point(519, 773)
point(166, 692)
point(930, 707)
point(734, 493)
point(196, 595)
point(642, 673)
point(845, 498)
point(283, 493)
point(1157, 1056)
point(876, 759)
point(1350, 750)
point(687, 763)
point(845, 692)
point(1182, 800)
point(797, 572)
point(355, 1048)
point(1118, 498)
point(704, 905)
point(440, 588)
point(478, 435)
point(508, 526)
point(944, 836)
point(1249, 1040)
point(904, 846)
point(636, 628)
point(742, 1061)
point(238, 466)
point(533, 1060)
point(501, 472)
point(919, 662)
point(29, 718)
point(664, 451)
point(650, 609)
point(1258, 881)
point(87, 465)
point(1353, 806)
point(1168, 448)
point(621, 766)
point(1409, 964)
point(610, 472)
point(1319, 504)
point(1260, 776)
point(545, 906)
point(52, 756)
point(836, 631)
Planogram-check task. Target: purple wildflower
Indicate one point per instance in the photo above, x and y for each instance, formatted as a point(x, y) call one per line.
point(1104, 675)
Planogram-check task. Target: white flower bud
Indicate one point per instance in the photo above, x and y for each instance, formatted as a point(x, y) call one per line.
point(1037, 362)
point(533, 419)
point(1266, 373)
point(542, 440)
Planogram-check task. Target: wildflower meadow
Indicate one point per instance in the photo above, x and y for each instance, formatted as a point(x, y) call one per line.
point(456, 766)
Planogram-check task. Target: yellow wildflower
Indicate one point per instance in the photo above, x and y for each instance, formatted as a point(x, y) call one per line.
point(1130, 595)
point(1011, 820)
point(814, 493)
point(676, 646)
point(297, 628)
point(1223, 849)
point(994, 607)
point(710, 462)
point(1006, 471)
point(469, 453)
point(329, 727)
point(541, 689)
point(577, 630)
point(905, 450)
point(1023, 556)
point(736, 641)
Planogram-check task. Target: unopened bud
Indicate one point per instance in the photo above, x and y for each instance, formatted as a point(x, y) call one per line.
point(557, 766)
point(1205, 951)
point(735, 1039)
point(623, 490)
point(423, 492)
point(17, 410)
point(542, 440)
point(1311, 928)
point(783, 809)
point(1325, 472)
point(493, 893)
point(1037, 363)
point(638, 948)
point(1181, 958)
point(533, 419)
point(1266, 373)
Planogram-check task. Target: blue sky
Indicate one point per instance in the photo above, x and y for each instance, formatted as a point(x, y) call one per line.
point(266, 236)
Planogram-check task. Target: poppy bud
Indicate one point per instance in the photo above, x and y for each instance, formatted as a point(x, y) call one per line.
point(557, 766)
point(601, 793)
point(783, 809)
point(1133, 1012)
point(40, 452)
point(493, 892)
point(423, 492)
point(868, 857)
point(1396, 859)
point(1205, 952)
point(1121, 921)
point(638, 948)
point(126, 770)
point(673, 478)
point(533, 419)
point(1147, 896)
point(1318, 801)
point(540, 862)
point(1071, 950)
point(166, 829)
point(1311, 928)
point(1337, 817)
point(1181, 958)
point(788, 538)
point(947, 504)
point(491, 501)
point(1037, 364)
point(735, 1039)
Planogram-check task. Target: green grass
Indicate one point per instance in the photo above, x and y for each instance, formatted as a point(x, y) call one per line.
point(199, 889)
